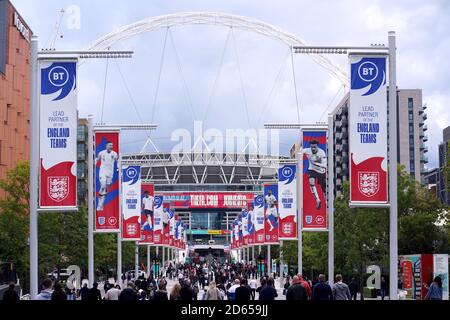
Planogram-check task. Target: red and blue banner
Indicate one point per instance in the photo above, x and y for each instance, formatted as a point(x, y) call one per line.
point(107, 211)
point(258, 212)
point(58, 134)
point(147, 213)
point(271, 216)
point(314, 179)
point(368, 130)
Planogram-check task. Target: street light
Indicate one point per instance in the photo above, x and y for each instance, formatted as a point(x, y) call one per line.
point(37, 56)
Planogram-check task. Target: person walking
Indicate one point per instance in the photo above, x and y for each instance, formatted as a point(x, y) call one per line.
point(322, 290)
point(243, 292)
point(306, 285)
point(129, 293)
point(253, 285)
point(11, 295)
point(175, 293)
point(286, 286)
point(353, 286)
point(113, 293)
point(232, 289)
point(94, 293)
point(186, 292)
point(268, 293)
point(46, 292)
point(383, 287)
point(341, 290)
point(296, 292)
point(435, 290)
point(58, 293)
point(161, 293)
point(213, 293)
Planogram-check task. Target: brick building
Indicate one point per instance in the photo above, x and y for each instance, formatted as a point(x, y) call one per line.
point(15, 37)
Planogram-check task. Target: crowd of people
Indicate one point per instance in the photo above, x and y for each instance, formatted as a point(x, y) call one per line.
point(211, 281)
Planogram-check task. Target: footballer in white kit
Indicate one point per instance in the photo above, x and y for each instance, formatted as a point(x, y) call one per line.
point(108, 159)
point(272, 216)
point(147, 207)
point(316, 170)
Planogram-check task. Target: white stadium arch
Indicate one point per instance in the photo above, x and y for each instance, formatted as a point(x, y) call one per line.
point(216, 19)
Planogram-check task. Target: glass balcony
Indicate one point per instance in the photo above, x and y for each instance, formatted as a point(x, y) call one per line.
point(425, 138)
point(425, 128)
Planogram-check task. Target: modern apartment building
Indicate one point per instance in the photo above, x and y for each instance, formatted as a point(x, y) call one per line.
point(82, 151)
point(444, 167)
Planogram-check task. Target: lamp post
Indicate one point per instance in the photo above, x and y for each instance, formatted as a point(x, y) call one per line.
point(36, 57)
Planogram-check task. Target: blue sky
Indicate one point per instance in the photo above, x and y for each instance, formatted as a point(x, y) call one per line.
point(265, 64)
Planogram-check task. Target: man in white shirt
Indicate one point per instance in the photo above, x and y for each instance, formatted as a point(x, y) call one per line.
point(147, 206)
point(107, 159)
point(253, 285)
point(316, 170)
point(113, 293)
point(272, 216)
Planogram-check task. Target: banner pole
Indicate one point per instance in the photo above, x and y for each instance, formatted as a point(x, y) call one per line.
point(148, 261)
point(330, 201)
point(90, 201)
point(393, 211)
point(269, 261)
point(136, 260)
point(300, 210)
point(119, 260)
point(34, 168)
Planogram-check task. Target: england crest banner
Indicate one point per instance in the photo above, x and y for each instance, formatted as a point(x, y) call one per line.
point(251, 225)
point(158, 225)
point(147, 213)
point(287, 190)
point(314, 179)
point(368, 131)
point(258, 211)
point(58, 134)
point(131, 203)
point(166, 217)
point(271, 217)
point(172, 228)
point(107, 181)
point(245, 227)
point(237, 233)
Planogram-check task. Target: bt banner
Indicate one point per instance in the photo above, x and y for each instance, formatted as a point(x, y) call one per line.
point(131, 203)
point(368, 130)
point(287, 190)
point(58, 134)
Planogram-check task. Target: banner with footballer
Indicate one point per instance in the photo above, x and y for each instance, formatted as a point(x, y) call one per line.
point(147, 213)
point(368, 130)
point(271, 218)
point(314, 179)
point(58, 134)
point(258, 212)
point(107, 181)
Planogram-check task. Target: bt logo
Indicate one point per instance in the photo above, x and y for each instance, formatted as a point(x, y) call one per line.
point(58, 76)
point(131, 172)
point(287, 172)
point(368, 71)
